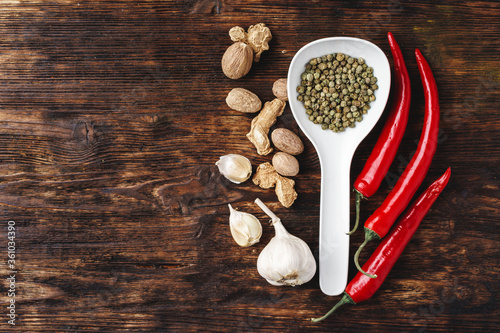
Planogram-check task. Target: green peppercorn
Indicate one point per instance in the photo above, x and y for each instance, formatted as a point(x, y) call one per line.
point(336, 89)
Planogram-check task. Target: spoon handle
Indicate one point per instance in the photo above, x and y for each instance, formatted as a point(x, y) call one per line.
point(334, 222)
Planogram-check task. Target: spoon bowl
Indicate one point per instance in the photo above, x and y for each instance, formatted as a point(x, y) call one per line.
point(335, 152)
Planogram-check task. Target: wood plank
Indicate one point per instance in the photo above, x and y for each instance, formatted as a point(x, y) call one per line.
point(112, 115)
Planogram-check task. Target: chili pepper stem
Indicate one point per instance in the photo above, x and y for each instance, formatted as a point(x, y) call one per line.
point(369, 236)
point(359, 196)
point(346, 299)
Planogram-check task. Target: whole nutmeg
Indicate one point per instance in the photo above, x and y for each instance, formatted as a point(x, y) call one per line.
point(280, 89)
point(243, 100)
point(237, 60)
point(285, 164)
point(287, 141)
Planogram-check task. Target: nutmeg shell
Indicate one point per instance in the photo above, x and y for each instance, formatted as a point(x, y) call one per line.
point(285, 164)
point(287, 141)
point(243, 100)
point(237, 60)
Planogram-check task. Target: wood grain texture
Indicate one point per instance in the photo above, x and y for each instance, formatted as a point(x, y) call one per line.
point(112, 115)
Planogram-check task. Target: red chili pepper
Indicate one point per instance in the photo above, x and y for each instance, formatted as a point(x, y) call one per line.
point(362, 288)
point(387, 145)
point(379, 223)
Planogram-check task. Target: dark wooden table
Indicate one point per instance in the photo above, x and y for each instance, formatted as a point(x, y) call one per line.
point(112, 115)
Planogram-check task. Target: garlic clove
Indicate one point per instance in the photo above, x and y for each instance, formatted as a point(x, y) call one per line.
point(234, 167)
point(286, 260)
point(246, 229)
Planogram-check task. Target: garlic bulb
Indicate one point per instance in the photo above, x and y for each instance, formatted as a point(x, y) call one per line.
point(235, 167)
point(245, 228)
point(286, 260)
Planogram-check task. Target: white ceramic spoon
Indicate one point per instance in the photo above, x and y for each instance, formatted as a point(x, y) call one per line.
point(335, 151)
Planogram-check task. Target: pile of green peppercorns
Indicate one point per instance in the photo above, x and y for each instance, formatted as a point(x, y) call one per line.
point(336, 90)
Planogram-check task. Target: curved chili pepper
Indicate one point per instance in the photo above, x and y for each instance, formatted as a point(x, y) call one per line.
point(387, 145)
point(362, 288)
point(379, 223)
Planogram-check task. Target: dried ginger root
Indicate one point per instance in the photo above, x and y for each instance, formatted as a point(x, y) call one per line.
point(257, 37)
point(267, 177)
point(285, 191)
point(261, 124)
